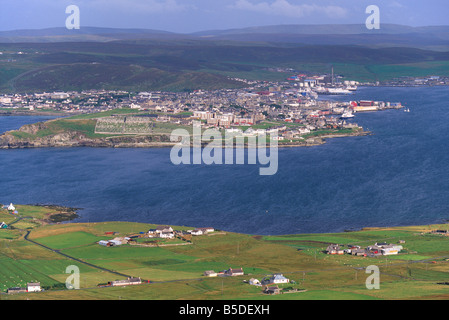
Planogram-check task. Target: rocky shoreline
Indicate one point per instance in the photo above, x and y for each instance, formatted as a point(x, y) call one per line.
point(27, 137)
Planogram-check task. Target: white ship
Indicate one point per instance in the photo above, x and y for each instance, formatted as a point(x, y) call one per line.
point(347, 115)
point(335, 91)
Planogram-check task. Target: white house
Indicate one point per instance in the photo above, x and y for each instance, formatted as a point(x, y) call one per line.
point(33, 287)
point(164, 229)
point(11, 207)
point(196, 232)
point(167, 235)
point(279, 278)
point(254, 282)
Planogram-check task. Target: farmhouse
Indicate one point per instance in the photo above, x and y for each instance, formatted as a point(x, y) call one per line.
point(234, 272)
point(162, 229)
point(279, 278)
point(254, 282)
point(334, 249)
point(33, 287)
point(196, 232)
point(11, 207)
point(167, 235)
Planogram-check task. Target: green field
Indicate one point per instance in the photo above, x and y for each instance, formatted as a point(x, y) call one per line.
point(176, 272)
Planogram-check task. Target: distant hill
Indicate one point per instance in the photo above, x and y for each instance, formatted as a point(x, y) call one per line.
point(326, 29)
point(431, 37)
point(436, 37)
point(140, 59)
point(83, 34)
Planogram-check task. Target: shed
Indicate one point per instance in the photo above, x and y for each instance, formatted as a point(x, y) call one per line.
point(210, 273)
point(272, 290)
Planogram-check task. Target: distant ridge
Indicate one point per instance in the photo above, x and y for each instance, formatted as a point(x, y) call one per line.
point(325, 29)
point(62, 34)
point(389, 35)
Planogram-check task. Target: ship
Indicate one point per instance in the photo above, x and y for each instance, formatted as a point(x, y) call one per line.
point(333, 91)
point(347, 115)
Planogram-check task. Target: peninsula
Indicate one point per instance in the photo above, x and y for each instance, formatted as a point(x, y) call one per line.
point(146, 119)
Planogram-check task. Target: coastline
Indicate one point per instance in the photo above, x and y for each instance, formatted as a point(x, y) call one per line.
point(73, 139)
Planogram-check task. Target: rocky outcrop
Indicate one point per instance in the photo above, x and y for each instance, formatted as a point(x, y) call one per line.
point(28, 137)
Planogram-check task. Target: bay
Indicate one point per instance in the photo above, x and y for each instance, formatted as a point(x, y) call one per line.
point(396, 176)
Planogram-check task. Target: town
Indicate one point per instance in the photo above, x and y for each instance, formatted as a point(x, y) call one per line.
point(295, 108)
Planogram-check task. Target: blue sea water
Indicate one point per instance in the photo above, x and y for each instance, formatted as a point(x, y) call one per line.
point(396, 176)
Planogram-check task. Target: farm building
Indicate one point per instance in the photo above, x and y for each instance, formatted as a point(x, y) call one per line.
point(334, 249)
point(358, 252)
point(272, 290)
point(279, 278)
point(110, 243)
point(234, 272)
point(11, 207)
point(167, 235)
point(197, 232)
point(210, 273)
point(391, 249)
point(127, 282)
point(254, 282)
point(33, 287)
point(16, 290)
point(3, 225)
point(163, 229)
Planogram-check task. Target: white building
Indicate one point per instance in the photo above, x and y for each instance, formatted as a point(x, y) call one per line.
point(391, 249)
point(279, 278)
point(196, 232)
point(166, 235)
point(33, 287)
point(210, 273)
point(11, 207)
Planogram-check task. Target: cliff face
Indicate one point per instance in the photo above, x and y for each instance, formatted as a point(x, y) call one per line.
point(31, 136)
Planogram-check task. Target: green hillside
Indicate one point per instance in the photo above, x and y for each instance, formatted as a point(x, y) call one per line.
point(192, 64)
point(34, 250)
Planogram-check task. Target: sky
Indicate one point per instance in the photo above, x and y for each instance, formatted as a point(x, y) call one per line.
point(185, 16)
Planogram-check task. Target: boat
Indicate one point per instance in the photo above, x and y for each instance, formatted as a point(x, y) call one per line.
point(347, 115)
point(336, 91)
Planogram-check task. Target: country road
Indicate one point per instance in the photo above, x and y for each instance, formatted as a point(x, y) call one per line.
point(26, 237)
